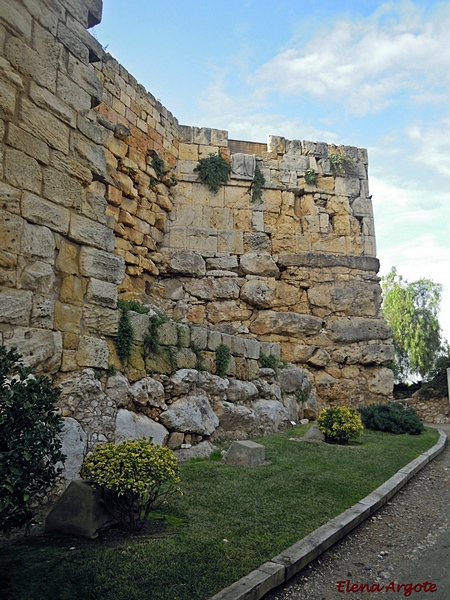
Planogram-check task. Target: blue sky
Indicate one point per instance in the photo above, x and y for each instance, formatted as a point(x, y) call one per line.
point(368, 74)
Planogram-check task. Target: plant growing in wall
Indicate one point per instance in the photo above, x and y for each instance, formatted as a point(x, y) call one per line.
point(135, 477)
point(30, 445)
point(125, 335)
point(311, 177)
point(213, 170)
point(222, 359)
point(151, 338)
point(340, 163)
point(257, 184)
point(268, 361)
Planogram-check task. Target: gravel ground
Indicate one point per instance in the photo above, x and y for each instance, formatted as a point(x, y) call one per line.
point(405, 542)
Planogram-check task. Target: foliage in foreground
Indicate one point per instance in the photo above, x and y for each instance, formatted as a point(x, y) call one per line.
point(340, 425)
point(30, 445)
point(391, 418)
point(135, 477)
point(411, 310)
point(228, 521)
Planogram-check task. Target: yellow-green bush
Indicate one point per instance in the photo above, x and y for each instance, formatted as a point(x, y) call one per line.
point(135, 477)
point(340, 425)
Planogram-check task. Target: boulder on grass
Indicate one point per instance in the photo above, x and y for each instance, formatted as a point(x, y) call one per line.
point(245, 454)
point(79, 512)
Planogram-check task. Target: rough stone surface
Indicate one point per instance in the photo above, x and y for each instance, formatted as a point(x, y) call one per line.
point(148, 392)
point(201, 450)
point(241, 391)
point(119, 390)
point(245, 453)
point(271, 413)
point(74, 444)
point(192, 414)
point(131, 426)
point(259, 264)
point(79, 512)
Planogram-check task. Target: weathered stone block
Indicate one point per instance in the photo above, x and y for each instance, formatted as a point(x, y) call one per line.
point(62, 189)
point(358, 329)
point(92, 352)
point(74, 443)
point(101, 265)
point(259, 264)
point(22, 171)
point(79, 512)
point(245, 454)
point(29, 63)
point(40, 348)
point(42, 124)
point(287, 323)
point(38, 241)
point(192, 414)
point(86, 231)
point(15, 306)
point(45, 213)
point(132, 426)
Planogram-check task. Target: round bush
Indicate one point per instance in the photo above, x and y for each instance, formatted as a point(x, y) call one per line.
point(134, 476)
point(340, 425)
point(391, 417)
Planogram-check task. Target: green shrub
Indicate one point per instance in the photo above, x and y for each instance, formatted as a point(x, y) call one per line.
point(214, 171)
point(151, 338)
point(391, 417)
point(30, 445)
point(311, 176)
point(222, 359)
point(340, 425)
point(268, 362)
point(135, 477)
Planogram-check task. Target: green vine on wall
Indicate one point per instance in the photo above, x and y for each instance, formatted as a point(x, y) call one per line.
point(125, 335)
point(222, 359)
point(340, 164)
point(151, 338)
point(214, 171)
point(257, 184)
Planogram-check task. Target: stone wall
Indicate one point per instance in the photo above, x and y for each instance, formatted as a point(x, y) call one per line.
point(429, 410)
point(99, 198)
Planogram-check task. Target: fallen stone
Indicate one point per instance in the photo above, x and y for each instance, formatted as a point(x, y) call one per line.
point(314, 435)
point(201, 450)
point(79, 512)
point(244, 453)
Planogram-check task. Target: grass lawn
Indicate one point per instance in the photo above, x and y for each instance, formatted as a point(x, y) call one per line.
point(228, 521)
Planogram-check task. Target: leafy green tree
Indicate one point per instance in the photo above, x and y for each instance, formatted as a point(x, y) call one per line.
point(411, 310)
point(30, 444)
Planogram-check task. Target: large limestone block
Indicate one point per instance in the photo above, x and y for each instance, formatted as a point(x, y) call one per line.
point(102, 292)
point(241, 391)
point(184, 381)
point(292, 379)
point(213, 385)
point(259, 264)
point(286, 323)
point(15, 306)
point(73, 446)
point(118, 389)
point(358, 329)
point(38, 241)
point(92, 352)
point(271, 413)
point(91, 233)
point(380, 381)
point(41, 212)
point(237, 421)
point(245, 454)
point(192, 414)
point(132, 426)
point(148, 392)
point(259, 293)
point(101, 265)
point(227, 311)
point(38, 276)
point(79, 512)
point(186, 262)
point(40, 348)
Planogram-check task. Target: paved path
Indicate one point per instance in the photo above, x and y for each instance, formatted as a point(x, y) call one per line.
point(406, 542)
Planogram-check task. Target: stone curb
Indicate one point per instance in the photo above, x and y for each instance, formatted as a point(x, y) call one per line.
point(295, 558)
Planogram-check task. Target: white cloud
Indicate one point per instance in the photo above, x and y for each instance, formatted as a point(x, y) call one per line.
point(431, 145)
point(368, 62)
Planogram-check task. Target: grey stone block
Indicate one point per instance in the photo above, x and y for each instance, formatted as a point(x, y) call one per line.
point(79, 512)
point(245, 453)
